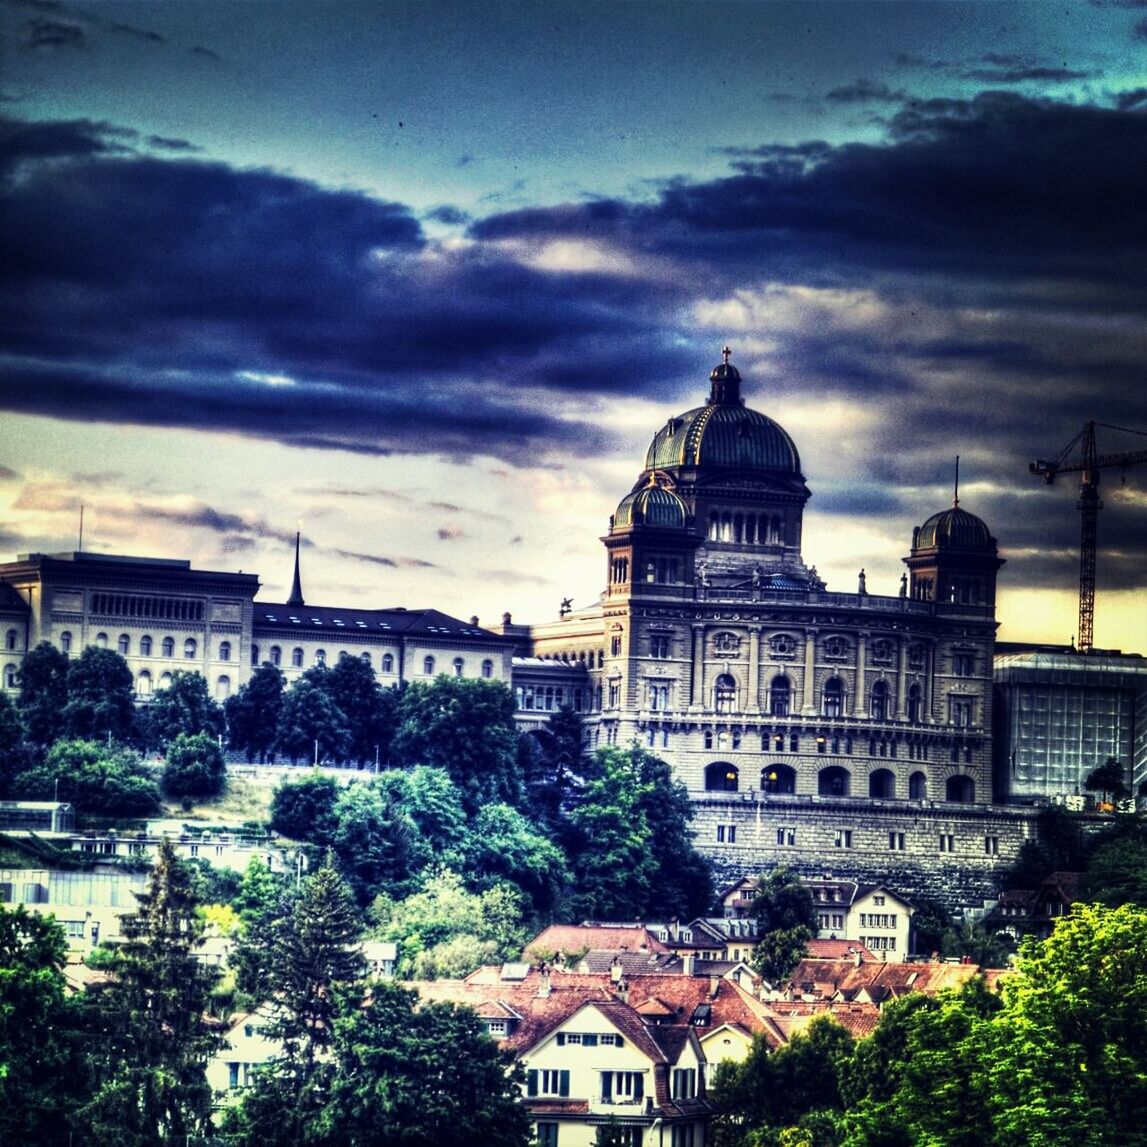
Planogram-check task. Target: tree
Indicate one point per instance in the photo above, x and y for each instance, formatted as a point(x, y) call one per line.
point(466, 727)
point(254, 712)
point(553, 764)
point(1117, 873)
point(305, 809)
point(376, 842)
point(310, 723)
point(195, 766)
point(445, 930)
point(414, 1073)
point(779, 1089)
point(369, 710)
point(96, 779)
point(41, 1070)
point(434, 802)
point(786, 921)
point(1067, 1061)
point(43, 693)
point(314, 950)
point(101, 697)
point(1109, 780)
point(185, 707)
point(151, 1052)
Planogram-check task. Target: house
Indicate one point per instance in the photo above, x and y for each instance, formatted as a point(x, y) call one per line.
point(875, 982)
point(1023, 911)
point(246, 1048)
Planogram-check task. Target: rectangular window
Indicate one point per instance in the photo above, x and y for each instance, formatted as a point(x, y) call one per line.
point(659, 646)
point(963, 663)
point(726, 834)
point(622, 1087)
point(844, 838)
point(684, 1082)
point(947, 842)
point(659, 696)
point(992, 845)
point(683, 1135)
point(549, 1082)
point(546, 1134)
point(896, 841)
point(786, 836)
point(614, 694)
point(961, 711)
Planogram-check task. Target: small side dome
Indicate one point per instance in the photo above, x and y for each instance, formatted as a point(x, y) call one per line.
point(954, 529)
point(650, 506)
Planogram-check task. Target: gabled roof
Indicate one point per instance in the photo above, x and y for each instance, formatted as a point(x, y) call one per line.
point(574, 939)
point(825, 978)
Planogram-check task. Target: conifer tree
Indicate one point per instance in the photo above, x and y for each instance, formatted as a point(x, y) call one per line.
point(150, 1054)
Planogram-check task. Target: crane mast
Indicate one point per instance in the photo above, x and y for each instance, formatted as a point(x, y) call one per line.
point(1088, 465)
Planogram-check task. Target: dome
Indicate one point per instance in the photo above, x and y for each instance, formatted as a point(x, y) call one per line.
point(724, 432)
point(954, 529)
point(650, 506)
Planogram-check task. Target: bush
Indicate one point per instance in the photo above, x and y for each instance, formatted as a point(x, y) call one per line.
point(195, 767)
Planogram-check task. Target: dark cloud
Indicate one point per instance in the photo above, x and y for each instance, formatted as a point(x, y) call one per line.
point(7, 474)
point(166, 143)
point(450, 533)
point(864, 91)
point(1134, 98)
point(391, 563)
point(134, 33)
point(53, 34)
point(1139, 32)
point(199, 50)
point(452, 216)
point(1020, 74)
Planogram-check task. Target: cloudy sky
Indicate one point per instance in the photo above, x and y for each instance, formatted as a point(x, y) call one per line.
point(426, 277)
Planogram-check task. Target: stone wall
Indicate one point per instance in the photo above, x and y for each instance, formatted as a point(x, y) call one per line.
point(953, 853)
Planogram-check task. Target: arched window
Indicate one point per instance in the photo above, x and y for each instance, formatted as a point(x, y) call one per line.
point(10, 639)
point(189, 648)
point(143, 683)
point(145, 646)
point(165, 680)
point(917, 787)
point(721, 777)
point(779, 779)
point(459, 666)
point(276, 655)
point(123, 645)
point(428, 666)
point(66, 642)
point(225, 651)
point(223, 688)
point(915, 712)
point(488, 669)
point(780, 696)
point(882, 785)
point(833, 700)
point(725, 694)
point(9, 676)
point(388, 663)
point(320, 657)
point(364, 657)
point(168, 647)
point(880, 701)
point(960, 789)
point(297, 657)
point(101, 641)
point(832, 782)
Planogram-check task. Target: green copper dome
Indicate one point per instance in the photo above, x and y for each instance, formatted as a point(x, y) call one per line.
point(650, 506)
point(954, 529)
point(723, 432)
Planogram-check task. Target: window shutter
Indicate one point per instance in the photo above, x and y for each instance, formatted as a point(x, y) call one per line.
point(532, 1081)
point(564, 1084)
point(620, 1040)
point(561, 1039)
point(639, 1088)
point(606, 1086)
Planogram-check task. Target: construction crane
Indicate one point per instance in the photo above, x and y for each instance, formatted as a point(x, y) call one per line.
point(1088, 464)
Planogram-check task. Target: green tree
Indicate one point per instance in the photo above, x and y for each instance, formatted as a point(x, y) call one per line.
point(466, 727)
point(378, 845)
point(41, 1069)
point(434, 802)
point(194, 767)
point(505, 846)
point(786, 921)
point(254, 712)
point(96, 779)
point(369, 710)
point(553, 765)
point(305, 809)
point(43, 693)
point(410, 1073)
point(311, 725)
point(772, 1090)
point(971, 940)
point(185, 707)
point(1108, 779)
point(150, 1056)
point(446, 930)
point(101, 696)
point(1067, 1062)
point(1117, 873)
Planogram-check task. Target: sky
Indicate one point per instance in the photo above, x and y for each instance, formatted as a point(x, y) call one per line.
point(422, 280)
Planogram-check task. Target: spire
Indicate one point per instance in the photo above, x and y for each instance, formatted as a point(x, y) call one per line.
point(296, 597)
point(956, 489)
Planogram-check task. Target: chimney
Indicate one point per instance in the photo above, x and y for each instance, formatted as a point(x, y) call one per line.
point(615, 971)
point(544, 984)
point(688, 959)
point(714, 987)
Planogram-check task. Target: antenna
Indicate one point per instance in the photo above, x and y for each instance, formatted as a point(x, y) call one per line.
point(81, 545)
point(956, 488)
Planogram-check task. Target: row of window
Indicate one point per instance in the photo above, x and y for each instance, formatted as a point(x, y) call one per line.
point(168, 609)
point(386, 664)
point(836, 781)
point(946, 842)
